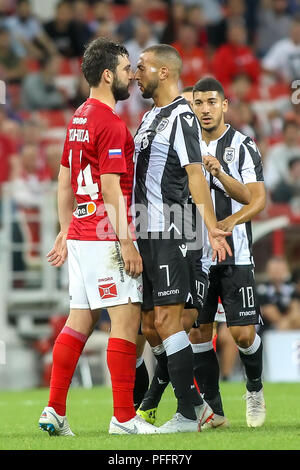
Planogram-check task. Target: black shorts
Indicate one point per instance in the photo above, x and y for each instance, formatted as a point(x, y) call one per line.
point(169, 273)
point(235, 285)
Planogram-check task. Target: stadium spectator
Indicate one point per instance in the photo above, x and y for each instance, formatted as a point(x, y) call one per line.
point(62, 31)
point(195, 16)
point(217, 32)
point(53, 153)
point(12, 66)
point(273, 25)
point(275, 294)
point(291, 321)
point(106, 29)
point(287, 190)
point(82, 27)
point(235, 57)
point(101, 13)
point(194, 60)
point(282, 60)
point(29, 37)
point(39, 90)
point(138, 9)
point(279, 155)
point(176, 16)
point(212, 9)
point(28, 177)
point(7, 150)
point(143, 37)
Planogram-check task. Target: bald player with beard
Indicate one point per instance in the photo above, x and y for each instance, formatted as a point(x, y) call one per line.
point(168, 167)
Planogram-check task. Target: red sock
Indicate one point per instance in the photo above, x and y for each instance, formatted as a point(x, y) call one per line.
point(66, 352)
point(121, 361)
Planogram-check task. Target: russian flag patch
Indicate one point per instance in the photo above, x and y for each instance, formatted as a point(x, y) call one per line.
point(115, 153)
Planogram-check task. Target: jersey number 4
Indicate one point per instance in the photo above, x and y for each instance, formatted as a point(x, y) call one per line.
point(85, 183)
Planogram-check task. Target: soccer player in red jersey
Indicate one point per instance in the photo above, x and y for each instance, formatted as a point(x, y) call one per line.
point(104, 264)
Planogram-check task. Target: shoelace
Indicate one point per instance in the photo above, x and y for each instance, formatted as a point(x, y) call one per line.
point(254, 403)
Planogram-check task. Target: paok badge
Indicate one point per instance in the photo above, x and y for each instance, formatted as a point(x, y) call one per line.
point(229, 155)
point(162, 125)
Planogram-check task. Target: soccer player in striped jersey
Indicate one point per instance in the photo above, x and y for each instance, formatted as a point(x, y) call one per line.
point(168, 168)
point(228, 151)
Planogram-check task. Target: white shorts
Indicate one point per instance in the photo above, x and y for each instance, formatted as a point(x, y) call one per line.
point(97, 278)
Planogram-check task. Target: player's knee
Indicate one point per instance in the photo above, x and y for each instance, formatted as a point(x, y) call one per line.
point(243, 337)
point(202, 334)
point(188, 319)
point(148, 330)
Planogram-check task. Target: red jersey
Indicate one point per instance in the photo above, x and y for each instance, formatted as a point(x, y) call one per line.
point(97, 142)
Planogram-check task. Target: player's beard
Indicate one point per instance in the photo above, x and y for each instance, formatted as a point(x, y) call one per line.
point(119, 90)
point(149, 90)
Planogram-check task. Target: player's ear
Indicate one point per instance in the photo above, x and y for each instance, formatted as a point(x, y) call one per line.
point(225, 105)
point(107, 76)
point(163, 73)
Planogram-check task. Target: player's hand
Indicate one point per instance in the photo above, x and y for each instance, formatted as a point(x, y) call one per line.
point(212, 165)
point(227, 224)
point(219, 244)
point(58, 255)
point(132, 259)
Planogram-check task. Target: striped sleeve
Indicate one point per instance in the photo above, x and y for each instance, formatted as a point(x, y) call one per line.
point(187, 139)
point(251, 168)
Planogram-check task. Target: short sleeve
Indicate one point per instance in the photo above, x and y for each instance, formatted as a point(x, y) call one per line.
point(111, 144)
point(187, 139)
point(251, 168)
point(65, 159)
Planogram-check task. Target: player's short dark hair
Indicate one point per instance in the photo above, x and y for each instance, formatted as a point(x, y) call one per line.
point(187, 89)
point(167, 54)
point(209, 84)
point(101, 54)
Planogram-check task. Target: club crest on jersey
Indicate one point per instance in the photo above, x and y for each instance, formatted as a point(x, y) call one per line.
point(228, 156)
point(162, 125)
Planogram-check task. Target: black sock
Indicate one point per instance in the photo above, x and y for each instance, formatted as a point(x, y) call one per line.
point(253, 364)
point(180, 367)
point(141, 384)
point(207, 371)
point(159, 383)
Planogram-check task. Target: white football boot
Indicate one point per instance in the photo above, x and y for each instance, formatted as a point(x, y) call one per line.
point(136, 425)
point(179, 424)
point(54, 424)
point(255, 409)
point(204, 414)
point(217, 421)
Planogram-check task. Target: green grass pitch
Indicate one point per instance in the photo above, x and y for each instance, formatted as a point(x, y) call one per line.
point(89, 413)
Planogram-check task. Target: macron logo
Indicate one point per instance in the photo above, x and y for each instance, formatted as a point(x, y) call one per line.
point(183, 249)
point(189, 119)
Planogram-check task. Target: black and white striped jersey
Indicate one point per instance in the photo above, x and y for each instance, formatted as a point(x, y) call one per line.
point(167, 140)
point(240, 158)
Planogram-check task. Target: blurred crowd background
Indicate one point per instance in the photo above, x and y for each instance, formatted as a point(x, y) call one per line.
point(251, 46)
